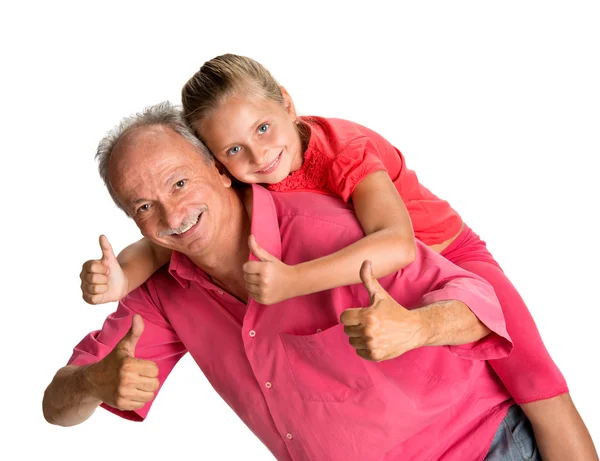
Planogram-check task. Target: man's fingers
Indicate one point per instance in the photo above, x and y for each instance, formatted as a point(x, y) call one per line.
point(258, 251)
point(107, 252)
point(133, 399)
point(369, 280)
point(147, 384)
point(352, 316)
point(142, 396)
point(354, 331)
point(146, 368)
point(358, 342)
point(365, 354)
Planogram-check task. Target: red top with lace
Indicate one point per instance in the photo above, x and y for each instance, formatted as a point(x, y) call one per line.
point(341, 153)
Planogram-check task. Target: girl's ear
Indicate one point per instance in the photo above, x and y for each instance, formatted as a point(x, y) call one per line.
point(288, 103)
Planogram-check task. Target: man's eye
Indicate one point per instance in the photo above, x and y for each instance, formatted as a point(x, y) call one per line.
point(179, 184)
point(144, 207)
point(234, 150)
point(263, 128)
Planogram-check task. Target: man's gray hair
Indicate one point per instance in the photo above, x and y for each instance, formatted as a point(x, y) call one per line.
point(163, 114)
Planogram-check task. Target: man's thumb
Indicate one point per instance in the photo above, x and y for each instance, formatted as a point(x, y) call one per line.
point(368, 279)
point(257, 250)
point(108, 254)
point(131, 338)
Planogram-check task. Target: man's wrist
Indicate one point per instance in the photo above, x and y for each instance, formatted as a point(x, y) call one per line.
point(87, 382)
point(427, 332)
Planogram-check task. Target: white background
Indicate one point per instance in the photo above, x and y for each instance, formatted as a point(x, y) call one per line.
point(494, 104)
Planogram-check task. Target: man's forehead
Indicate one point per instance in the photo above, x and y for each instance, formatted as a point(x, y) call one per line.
point(145, 137)
point(151, 143)
point(143, 156)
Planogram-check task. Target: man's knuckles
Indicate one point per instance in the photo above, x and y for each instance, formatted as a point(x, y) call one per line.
point(370, 322)
point(377, 355)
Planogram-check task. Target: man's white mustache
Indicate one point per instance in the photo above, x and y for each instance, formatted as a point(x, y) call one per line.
point(185, 225)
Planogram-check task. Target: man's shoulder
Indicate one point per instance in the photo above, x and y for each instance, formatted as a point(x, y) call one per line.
point(163, 280)
point(313, 206)
point(313, 224)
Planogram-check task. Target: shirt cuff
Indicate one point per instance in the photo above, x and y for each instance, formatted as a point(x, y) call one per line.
point(480, 298)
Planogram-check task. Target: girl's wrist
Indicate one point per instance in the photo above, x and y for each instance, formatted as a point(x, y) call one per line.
point(298, 285)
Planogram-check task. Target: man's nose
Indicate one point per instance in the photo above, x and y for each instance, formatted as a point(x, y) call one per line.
point(173, 216)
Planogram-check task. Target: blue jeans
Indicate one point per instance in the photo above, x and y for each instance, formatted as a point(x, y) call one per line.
point(514, 440)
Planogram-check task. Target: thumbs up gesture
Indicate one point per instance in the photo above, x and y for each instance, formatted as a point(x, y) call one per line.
point(268, 280)
point(119, 379)
point(103, 280)
point(385, 329)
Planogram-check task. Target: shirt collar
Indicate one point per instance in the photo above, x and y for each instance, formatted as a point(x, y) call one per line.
point(265, 225)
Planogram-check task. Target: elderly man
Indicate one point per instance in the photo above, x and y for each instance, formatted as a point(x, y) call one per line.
point(287, 370)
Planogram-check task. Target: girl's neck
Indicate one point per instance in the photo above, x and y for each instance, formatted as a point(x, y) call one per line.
point(304, 134)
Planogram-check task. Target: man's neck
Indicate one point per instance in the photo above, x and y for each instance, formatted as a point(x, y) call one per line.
point(224, 266)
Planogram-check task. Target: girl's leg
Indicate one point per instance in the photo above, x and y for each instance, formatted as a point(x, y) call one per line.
point(529, 373)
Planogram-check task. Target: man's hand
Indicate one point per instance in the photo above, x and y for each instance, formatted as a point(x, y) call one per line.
point(103, 280)
point(268, 280)
point(385, 329)
point(119, 379)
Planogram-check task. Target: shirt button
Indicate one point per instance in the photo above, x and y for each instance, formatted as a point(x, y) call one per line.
point(289, 436)
point(220, 292)
point(268, 385)
point(319, 330)
point(252, 333)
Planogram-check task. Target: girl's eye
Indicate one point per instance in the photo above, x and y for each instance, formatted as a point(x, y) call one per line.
point(179, 184)
point(263, 128)
point(234, 150)
point(144, 207)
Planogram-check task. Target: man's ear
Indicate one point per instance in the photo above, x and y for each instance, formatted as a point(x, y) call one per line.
point(224, 175)
point(288, 103)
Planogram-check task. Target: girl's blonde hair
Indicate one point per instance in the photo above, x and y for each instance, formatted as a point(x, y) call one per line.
point(224, 76)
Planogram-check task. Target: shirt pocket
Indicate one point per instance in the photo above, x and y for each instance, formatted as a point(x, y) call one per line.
point(325, 366)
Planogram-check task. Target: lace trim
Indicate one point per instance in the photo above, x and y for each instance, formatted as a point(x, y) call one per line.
point(311, 175)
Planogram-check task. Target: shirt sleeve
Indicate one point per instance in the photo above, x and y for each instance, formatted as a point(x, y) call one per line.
point(158, 343)
point(480, 298)
point(350, 166)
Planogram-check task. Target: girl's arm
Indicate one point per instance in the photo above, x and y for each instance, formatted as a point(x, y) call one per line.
point(389, 243)
point(111, 278)
point(140, 260)
point(389, 240)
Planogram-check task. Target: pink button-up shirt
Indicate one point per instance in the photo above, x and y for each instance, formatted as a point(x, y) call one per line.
point(288, 371)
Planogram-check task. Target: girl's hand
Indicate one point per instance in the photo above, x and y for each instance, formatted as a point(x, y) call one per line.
point(103, 280)
point(268, 280)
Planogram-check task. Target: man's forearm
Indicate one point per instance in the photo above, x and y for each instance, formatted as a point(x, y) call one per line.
point(450, 323)
point(68, 399)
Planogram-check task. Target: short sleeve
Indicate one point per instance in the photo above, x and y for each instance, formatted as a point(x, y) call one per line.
point(351, 165)
point(158, 343)
point(480, 298)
